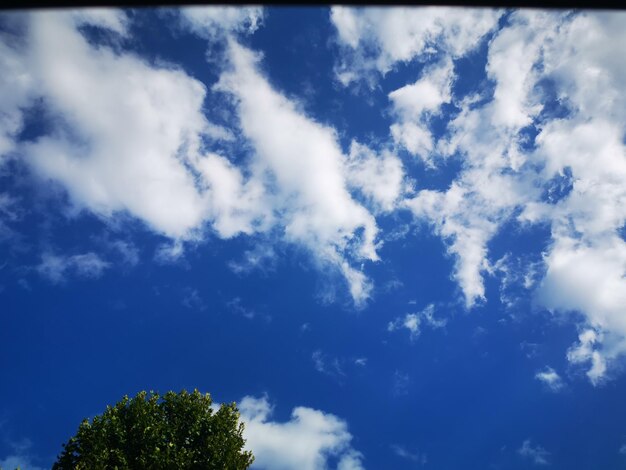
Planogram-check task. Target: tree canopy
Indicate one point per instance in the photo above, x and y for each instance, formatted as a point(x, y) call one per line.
point(178, 430)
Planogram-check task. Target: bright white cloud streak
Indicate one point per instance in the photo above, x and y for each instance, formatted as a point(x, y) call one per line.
point(311, 175)
point(305, 442)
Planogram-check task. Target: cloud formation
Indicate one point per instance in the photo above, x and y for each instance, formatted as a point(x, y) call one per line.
point(136, 146)
point(539, 143)
point(547, 82)
point(550, 378)
point(536, 454)
point(305, 442)
point(56, 267)
point(309, 175)
point(375, 39)
point(414, 321)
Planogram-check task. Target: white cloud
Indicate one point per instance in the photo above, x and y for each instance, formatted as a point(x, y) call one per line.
point(122, 153)
point(236, 306)
point(113, 20)
point(310, 191)
point(502, 177)
point(414, 104)
point(10, 211)
point(261, 257)
point(237, 205)
point(87, 265)
point(490, 186)
point(305, 442)
point(584, 352)
point(133, 147)
point(413, 321)
point(327, 365)
point(379, 177)
point(378, 38)
point(211, 21)
point(169, 252)
point(586, 263)
point(410, 321)
point(550, 378)
point(16, 92)
point(537, 454)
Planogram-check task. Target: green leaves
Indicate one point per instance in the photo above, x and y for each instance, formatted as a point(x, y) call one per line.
point(178, 430)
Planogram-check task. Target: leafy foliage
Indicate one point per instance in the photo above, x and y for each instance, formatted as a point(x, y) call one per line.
point(178, 430)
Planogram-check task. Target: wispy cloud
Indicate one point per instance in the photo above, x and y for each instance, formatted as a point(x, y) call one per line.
point(327, 365)
point(535, 453)
point(237, 306)
point(414, 321)
point(417, 457)
point(192, 299)
point(550, 378)
point(20, 457)
point(400, 383)
point(56, 268)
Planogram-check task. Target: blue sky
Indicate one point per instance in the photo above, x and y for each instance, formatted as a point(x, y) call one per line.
point(396, 237)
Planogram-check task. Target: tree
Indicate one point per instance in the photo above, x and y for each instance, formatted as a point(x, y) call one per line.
point(178, 430)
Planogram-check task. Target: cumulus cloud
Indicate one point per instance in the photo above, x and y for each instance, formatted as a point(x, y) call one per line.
point(586, 264)
point(570, 93)
point(375, 39)
point(549, 377)
point(121, 152)
point(127, 137)
point(378, 176)
point(413, 106)
point(489, 188)
point(536, 454)
point(306, 441)
point(136, 145)
point(584, 352)
point(57, 267)
point(311, 191)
